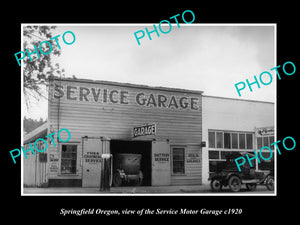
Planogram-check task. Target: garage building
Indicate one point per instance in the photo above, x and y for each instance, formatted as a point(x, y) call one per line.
point(171, 128)
point(109, 117)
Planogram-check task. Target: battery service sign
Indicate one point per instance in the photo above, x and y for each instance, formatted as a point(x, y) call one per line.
point(144, 130)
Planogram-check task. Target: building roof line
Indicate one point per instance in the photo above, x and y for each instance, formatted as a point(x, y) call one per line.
point(36, 133)
point(248, 100)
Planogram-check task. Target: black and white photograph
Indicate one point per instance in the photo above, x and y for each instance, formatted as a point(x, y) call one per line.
point(150, 118)
point(166, 112)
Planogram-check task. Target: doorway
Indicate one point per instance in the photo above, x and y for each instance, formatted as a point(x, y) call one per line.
point(135, 147)
point(91, 162)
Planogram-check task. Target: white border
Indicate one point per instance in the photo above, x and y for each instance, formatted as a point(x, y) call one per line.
point(153, 194)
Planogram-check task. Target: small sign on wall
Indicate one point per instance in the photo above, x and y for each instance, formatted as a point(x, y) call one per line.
point(193, 158)
point(161, 157)
point(92, 157)
point(265, 131)
point(144, 130)
point(53, 158)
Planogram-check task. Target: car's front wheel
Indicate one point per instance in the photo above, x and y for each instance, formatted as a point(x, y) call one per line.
point(235, 183)
point(117, 180)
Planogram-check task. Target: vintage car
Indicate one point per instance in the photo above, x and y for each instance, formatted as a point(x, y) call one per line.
point(227, 174)
point(127, 168)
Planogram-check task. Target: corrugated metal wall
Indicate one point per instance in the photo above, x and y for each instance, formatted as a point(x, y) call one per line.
point(87, 117)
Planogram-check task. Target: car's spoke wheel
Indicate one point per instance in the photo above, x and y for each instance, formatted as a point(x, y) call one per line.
point(215, 185)
point(235, 183)
point(117, 180)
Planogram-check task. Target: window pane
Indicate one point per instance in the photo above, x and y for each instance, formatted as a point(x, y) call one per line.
point(212, 139)
point(178, 151)
point(259, 143)
point(234, 140)
point(178, 160)
point(224, 153)
point(227, 140)
point(271, 139)
point(68, 159)
point(249, 141)
point(214, 155)
point(177, 169)
point(242, 141)
point(219, 140)
point(178, 157)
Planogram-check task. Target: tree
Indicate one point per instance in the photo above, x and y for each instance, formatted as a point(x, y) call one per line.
point(30, 124)
point(38, 72)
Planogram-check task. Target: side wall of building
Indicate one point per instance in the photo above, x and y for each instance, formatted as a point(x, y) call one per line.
point(232, 115)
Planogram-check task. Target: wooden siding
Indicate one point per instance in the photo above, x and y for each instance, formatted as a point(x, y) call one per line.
point(116, 121)
point(193, 170)
point(34, 171)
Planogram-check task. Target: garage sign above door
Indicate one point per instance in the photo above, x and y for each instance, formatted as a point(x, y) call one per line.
point(144, 130)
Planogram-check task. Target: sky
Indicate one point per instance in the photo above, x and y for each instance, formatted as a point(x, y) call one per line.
point(205, 57)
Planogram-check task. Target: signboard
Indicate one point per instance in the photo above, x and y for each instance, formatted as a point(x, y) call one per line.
point(161, 157)
point(193, 158)
point(53, 158)
point(98, 93)
point(265, 131)
point(161, 165)
point(91, 164)
point(92, 157)
point(144, 130)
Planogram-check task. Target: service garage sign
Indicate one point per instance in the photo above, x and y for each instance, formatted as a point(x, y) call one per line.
point(101, 95)
point(144, 130)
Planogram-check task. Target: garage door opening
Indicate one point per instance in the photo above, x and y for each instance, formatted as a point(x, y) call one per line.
point(133, 147)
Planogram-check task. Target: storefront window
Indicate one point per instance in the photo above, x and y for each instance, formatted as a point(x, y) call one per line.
point(214, 154)
point(225, 153)
point(234, 138)
point(68, 159)
point(219, 140)
point(212, 139)
point(249, 139)
point(224, 141)
point(271, 140)
point(178, 155)
point(266, 141)
point(227, 143)
point(259, 143)
point(242, 141)
point(230, 140)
